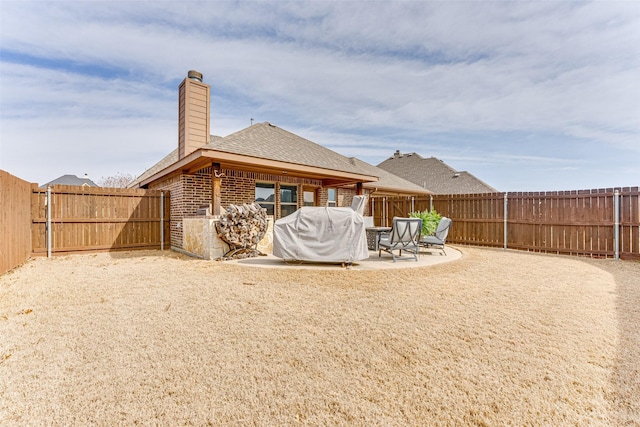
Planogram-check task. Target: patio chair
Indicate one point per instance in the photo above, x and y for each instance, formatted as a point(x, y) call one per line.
point(404, 236)
point(439, 239)
point(368, 221)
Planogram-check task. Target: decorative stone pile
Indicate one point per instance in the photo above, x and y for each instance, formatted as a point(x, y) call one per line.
point(242, 227)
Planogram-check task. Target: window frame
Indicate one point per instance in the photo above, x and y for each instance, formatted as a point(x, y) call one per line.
point(311, 191)
point(293, 203)
point(332, 203)
point(262, 203)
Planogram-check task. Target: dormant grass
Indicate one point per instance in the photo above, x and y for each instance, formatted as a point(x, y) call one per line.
point(149, 338)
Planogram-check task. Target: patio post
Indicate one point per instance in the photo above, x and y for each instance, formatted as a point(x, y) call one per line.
point(216, 186)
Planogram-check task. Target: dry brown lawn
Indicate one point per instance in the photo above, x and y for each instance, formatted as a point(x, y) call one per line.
point(149, 338)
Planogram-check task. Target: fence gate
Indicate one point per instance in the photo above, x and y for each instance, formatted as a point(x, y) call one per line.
point(90, 218)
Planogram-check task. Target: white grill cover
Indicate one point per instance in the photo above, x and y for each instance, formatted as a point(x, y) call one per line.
point(322, 235)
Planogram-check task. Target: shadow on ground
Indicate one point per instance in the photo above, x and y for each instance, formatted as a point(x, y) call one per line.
point(626, 373)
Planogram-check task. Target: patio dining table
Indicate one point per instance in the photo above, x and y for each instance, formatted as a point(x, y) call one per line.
point(373, 236)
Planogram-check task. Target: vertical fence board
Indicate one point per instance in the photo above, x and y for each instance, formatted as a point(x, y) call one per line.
point(15, 221)
point(90, 218)
point(563, 222)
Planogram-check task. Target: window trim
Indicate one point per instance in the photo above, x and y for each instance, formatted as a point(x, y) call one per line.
point(271, 185)
point(314, 192)
point(294, 203)
point(335, 201)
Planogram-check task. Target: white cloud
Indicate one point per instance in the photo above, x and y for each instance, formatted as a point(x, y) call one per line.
point(365, 80)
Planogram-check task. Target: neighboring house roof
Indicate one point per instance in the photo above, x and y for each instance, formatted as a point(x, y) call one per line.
point(262, 145)
point(388, 183)
point(70, 180)
point(434, 174)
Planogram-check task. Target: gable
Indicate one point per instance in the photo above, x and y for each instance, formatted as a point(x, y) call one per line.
point(265, 148)
point(267, 141)
point(70, 180)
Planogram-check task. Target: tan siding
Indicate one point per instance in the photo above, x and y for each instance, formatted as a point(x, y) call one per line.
point(193, 116)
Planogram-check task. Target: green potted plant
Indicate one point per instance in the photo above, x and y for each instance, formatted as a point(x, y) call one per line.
point(430, 220)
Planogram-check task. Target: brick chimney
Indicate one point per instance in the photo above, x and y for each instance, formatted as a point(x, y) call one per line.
point(193, 114)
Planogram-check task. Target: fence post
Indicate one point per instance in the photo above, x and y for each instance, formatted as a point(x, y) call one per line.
point(48, 201)
point(616, 221)
point(385, 209)
point(162, 220)
point(372, 208)
point(430, 202)
point(413, 207)
point(505, 220)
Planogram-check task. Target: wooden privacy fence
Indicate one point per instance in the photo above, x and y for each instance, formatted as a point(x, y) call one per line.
point(597, 223)
point(93, 218)
point(15, 221)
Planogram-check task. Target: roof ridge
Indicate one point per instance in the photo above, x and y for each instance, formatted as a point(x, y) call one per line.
point(269, 141)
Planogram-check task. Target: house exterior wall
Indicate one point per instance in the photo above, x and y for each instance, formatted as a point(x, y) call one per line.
point(240, 186)
point(191, 192)
point(344, 196)
point(175, 186)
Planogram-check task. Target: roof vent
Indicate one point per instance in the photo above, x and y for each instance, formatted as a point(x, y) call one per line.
point(397, 154)
point(195, 75)
point(455, 175)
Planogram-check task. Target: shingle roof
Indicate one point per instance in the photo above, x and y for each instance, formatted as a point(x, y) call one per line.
point(386, 180)
point(434, 174)
point(167, 161)
point(70, 180)
point(268, 141)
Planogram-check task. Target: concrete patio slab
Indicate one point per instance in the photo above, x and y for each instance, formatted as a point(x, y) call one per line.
point(426, 258)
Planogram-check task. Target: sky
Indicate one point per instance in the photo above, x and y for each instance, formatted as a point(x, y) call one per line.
point(526, 96)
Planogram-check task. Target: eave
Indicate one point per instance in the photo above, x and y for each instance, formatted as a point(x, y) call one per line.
point(383, 191)
point(202, 158)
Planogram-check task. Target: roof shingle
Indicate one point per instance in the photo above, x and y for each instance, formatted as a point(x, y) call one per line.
point(267, 141)
point(70, 180)
point(434, 174)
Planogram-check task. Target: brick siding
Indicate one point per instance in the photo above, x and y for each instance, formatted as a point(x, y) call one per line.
point(190, 192)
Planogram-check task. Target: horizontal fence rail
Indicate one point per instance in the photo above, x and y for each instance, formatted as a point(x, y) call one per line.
point(92, 219)
point(580, 222)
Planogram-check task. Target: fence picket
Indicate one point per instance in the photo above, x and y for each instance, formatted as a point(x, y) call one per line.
point(563, 222)
point(89, 219)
